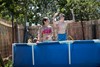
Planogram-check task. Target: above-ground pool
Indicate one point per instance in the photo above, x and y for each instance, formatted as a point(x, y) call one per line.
point(79, 53)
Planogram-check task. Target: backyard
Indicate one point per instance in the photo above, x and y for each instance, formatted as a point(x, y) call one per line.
point(21, 19)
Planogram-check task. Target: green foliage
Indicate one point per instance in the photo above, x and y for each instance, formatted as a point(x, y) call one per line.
point(83, 9)
point(34, 10)
point(9, 64)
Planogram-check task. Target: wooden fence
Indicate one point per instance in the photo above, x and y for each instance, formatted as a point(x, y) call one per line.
point(89, 30)
point(5, 39)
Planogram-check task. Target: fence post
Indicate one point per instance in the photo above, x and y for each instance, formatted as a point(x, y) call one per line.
point(16, 32)
point(1, 61)
point(12, 27)
point(94, 31)
point(82, 29)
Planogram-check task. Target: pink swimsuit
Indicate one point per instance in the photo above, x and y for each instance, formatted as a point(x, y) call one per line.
point(47, 31)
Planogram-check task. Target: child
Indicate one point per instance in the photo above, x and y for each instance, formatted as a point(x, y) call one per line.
point(61, 25)
point(46, 31)
point(30, 40)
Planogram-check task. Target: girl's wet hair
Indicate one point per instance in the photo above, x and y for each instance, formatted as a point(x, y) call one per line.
point(45, 19)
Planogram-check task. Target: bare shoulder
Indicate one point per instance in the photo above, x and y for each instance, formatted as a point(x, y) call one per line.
point(50, 26)
point(41, 28)
point(56, 22)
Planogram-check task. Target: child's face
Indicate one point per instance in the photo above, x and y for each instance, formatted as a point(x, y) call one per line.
point(62, 18)
point(47, 22)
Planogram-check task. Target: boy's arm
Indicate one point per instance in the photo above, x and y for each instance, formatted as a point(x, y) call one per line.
point(54, 20)
point(73, 15)
point(69, 21)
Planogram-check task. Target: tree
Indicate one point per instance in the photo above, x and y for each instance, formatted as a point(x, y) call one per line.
point(87, 9)
point(37, 9)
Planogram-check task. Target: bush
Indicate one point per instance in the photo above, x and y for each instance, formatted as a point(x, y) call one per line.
point(9, 64)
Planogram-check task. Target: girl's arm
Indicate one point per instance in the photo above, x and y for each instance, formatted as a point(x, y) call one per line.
point(40, 35)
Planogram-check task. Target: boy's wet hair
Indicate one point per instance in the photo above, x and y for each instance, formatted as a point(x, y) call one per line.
point(61, 15)
point(45, 19)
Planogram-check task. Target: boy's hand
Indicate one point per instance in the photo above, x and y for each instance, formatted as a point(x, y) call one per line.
point(55, 14)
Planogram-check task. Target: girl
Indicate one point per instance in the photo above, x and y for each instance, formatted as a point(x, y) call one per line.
point(45, 33)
